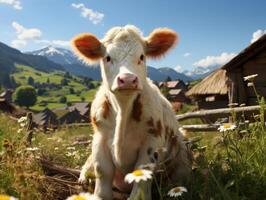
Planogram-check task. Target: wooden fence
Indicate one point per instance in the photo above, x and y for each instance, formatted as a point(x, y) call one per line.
point(216, 113)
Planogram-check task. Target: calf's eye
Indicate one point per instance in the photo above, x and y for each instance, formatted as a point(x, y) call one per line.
point(108, 58)
point(141, 57)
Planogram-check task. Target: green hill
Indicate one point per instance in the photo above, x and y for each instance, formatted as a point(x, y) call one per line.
point(51, 86)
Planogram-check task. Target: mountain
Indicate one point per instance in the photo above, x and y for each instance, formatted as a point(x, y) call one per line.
point(69, 61)
point(10, 56)
point(173, 74)
point(72, 64)
point(57, 55)
point(200, 72)
point(38, 62)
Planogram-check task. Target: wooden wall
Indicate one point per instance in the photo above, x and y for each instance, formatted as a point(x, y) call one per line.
point(256, 66)
point(239, 92)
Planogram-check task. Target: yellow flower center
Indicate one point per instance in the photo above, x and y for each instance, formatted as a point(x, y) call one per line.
point(227, 125)
point(177, 189)
point(138, 173)
point(4, 197)
point(79, 198)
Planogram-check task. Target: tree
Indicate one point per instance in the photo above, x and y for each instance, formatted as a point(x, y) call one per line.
point(71, 91)
point(168, 78)
point(30, 81)
point(41, 91)
point(62, 99)
point(25, 96)
point(48, 80)
point(64, 82)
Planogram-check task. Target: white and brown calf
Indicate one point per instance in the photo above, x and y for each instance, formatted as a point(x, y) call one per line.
point(133, 123)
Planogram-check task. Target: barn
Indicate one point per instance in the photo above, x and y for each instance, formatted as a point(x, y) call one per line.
point(226, 86)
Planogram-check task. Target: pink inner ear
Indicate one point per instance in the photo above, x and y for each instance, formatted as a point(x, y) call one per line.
point(160, 41)
point(82, 43)
point(88, 47)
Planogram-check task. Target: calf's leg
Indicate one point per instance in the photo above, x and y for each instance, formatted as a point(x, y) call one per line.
point(103, 168)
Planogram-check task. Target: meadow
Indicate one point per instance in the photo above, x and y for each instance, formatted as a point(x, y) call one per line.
point(227, 165)
point(51, 97)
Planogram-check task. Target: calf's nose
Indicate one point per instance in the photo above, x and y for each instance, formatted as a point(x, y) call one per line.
point(127, 81)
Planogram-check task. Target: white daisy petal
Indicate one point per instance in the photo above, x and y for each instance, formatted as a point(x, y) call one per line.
point(177, 191)
point(227, 127)
point(138, 175)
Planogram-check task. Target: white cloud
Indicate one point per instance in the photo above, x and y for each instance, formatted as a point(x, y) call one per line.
point(18, 43)
point(24, 35)
point(15, 3)
point(215, 60)
point(178, 68)
point(257, 34)
point(61, 43)
point(187, 54)
point(94, 16)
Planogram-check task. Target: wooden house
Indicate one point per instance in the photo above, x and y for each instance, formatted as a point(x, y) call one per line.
point(6, 107)
point(70, 117)
point(45, 118)
point(82, 107)
point(226, 86)
point(178, 84)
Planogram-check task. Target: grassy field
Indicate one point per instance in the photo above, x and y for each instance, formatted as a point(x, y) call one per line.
point(52, 96)
point(228, 165)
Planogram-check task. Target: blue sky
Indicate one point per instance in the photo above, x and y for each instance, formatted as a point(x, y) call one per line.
point(211, 32)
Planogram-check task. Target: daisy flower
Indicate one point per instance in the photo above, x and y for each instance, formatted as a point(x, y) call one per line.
point(19, 130)
point(32, 149)
point(138, 175)
point(22, 119)
point(226, 127)
point(6, 197)
point(81, 196)
point(250, 77)
point(177, 191)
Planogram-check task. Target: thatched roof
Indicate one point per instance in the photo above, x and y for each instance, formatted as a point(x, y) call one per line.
point(215, 83)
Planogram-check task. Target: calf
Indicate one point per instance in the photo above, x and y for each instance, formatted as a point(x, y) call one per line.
point(133, 123)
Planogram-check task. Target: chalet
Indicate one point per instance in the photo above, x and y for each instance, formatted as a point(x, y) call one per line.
point(70, 117)
point(178, 84)
point(177, 95)
point(45, 118)
point(69, 111)
point(226, 86)
point(82, 107)
point(6, 107)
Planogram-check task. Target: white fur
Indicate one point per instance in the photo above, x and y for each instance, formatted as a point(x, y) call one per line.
point(120, 143)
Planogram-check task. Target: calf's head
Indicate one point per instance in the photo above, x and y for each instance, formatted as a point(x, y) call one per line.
point(122, 54)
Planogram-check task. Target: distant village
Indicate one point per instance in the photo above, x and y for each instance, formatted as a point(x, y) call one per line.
point(79, 112)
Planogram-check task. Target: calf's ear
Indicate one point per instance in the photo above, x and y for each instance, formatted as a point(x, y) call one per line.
point(160, 41)
point(88, 47)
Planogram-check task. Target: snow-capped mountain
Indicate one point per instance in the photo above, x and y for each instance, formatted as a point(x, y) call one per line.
point(200, 72)
point(58, 55)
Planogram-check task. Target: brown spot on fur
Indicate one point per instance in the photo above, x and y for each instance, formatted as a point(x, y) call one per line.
point(154, 129)
point(94, 123)
point(137, 109)
point(106, 108)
